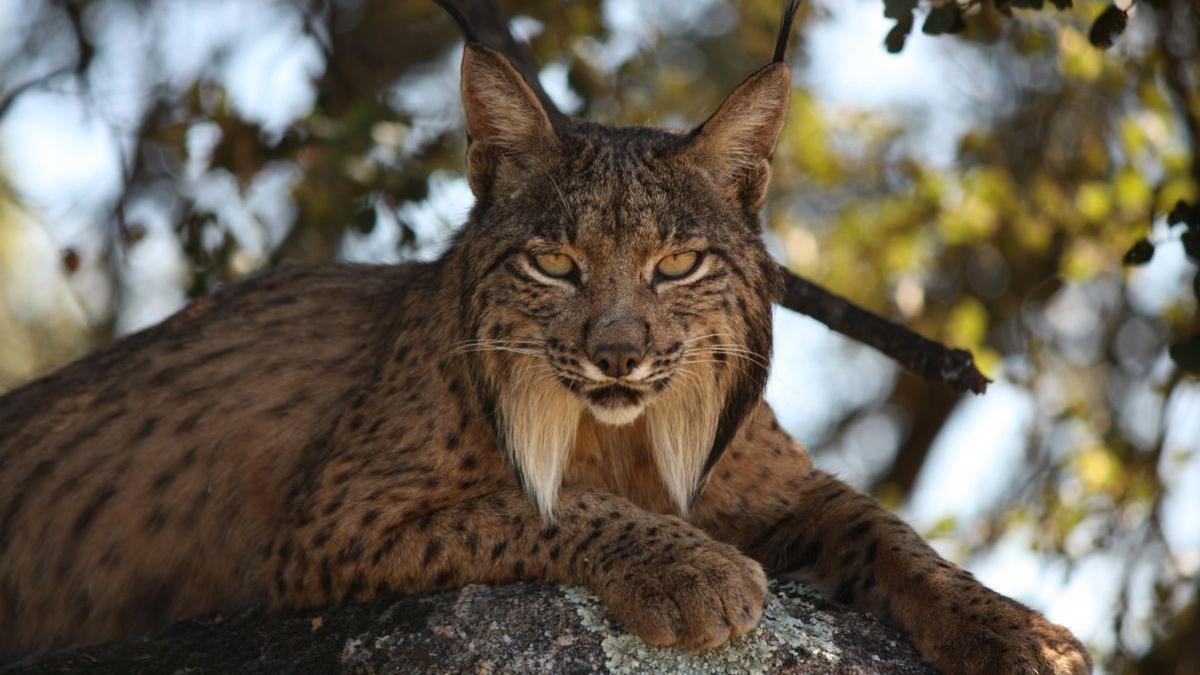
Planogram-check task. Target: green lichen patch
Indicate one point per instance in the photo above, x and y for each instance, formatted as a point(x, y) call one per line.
point(807, 636)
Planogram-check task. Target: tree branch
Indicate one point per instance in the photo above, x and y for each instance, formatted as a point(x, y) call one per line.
point(84, 51)
point(927, 413)
point(954, 368)
point(1174, 15)
point(10, 97)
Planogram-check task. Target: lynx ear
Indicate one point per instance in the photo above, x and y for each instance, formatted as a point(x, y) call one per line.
point(504, 117)
point(735, 145)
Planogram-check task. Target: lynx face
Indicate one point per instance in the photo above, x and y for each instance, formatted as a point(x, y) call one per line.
point(628, 280)
point(616, 273)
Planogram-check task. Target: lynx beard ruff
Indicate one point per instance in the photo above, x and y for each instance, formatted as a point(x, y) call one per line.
point(681, 424)
point(540, 421)
point(539, 424)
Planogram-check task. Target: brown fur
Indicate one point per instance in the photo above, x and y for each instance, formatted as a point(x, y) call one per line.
point(323, 435)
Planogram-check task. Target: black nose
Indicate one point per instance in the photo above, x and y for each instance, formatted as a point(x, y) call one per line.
point(617, 360)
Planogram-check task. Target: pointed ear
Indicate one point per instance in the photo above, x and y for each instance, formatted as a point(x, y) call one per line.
point(504, 117)
point(735, 145)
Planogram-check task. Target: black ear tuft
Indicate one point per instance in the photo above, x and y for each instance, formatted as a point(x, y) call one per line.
point(785, 30)
point(459, 18)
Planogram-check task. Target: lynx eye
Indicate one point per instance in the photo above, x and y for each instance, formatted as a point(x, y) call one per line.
point(554, 265)
point(678, 265)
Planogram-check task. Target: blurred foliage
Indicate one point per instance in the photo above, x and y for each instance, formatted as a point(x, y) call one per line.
point(1013, 249)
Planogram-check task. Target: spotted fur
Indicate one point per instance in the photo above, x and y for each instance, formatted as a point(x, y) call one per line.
point(329, 434)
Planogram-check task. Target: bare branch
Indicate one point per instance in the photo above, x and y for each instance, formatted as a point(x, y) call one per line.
point(83, 58)
point(11, 96)
point(933, 361)
point(1177, 15)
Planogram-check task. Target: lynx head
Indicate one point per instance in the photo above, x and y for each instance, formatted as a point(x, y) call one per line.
point(617, 273)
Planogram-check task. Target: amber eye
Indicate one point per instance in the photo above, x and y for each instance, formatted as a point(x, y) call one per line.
point(678, 265)
point(554, 265)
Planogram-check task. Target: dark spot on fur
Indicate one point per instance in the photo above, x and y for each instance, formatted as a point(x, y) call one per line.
point(498, 550)
point(157, 519)
point(146, 429)
point(93, 508)
point(431, 550)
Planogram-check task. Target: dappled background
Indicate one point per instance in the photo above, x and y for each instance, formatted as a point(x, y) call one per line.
point(977, 171)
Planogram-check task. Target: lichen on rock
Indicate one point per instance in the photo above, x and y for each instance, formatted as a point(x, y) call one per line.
point(516, 628)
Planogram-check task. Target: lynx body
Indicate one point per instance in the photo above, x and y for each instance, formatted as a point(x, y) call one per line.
point(572, 393)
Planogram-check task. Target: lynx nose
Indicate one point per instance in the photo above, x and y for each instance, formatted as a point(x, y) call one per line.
point(617, 360)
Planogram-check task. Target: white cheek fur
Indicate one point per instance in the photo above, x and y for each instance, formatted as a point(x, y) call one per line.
point(617, 417)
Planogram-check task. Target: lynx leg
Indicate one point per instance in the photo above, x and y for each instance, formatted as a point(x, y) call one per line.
point(765, 498)
point(665, 580)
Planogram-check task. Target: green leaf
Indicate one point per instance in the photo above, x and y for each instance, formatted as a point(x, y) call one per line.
point(1191, 243)
point(898, 34)
point(898, 9)
point(1140, 253)
point(1184, 213)
point(944, 19)
point(363, 218)
point(1107, 27)
point(1186, 354)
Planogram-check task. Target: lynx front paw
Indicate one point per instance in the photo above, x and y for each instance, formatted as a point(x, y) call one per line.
point(1047, 649)
point(697, 598)
point(1027, 644)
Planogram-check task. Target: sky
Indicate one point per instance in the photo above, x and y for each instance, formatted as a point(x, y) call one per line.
point(69, 157)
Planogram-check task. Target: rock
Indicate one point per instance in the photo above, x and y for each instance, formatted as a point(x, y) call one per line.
point(518, 628)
